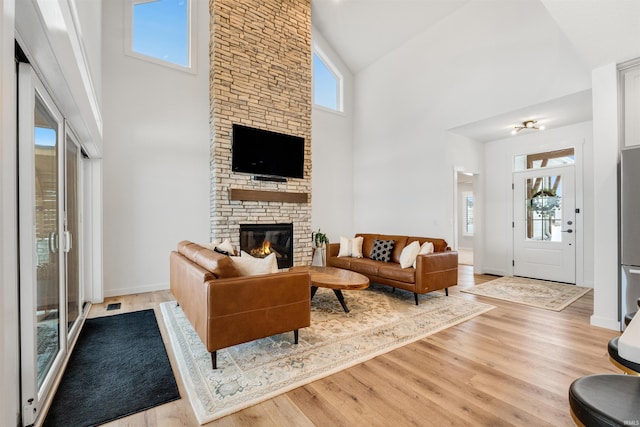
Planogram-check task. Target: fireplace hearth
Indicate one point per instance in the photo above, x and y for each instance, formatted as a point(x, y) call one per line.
point(260, 240)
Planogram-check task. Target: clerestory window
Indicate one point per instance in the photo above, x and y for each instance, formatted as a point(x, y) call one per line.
point(160, 31)
point(327, 83)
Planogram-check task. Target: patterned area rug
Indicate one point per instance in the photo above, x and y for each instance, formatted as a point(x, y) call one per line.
point(537, 293)
point(378, 322)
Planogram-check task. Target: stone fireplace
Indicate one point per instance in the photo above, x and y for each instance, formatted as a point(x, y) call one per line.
point(261, 240)
point(260, 76)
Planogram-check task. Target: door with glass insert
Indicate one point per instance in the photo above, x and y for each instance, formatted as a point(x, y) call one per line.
point(42, 279)
point(544, 224)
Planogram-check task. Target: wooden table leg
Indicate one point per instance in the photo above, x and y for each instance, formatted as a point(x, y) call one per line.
point(340, 297)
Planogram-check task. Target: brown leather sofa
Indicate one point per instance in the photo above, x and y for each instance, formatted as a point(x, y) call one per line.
point(225, 309)
point(438, 270)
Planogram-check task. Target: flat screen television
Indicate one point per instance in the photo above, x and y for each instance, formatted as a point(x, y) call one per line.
point(265, 153)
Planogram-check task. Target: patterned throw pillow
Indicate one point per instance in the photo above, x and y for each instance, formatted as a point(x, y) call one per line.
point(382, 250)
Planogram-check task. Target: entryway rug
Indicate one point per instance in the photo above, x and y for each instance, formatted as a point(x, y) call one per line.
point(119, 367)
point(537, 293)
point(379, 321)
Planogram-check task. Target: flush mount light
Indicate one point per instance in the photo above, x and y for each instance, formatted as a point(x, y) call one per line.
point(527, 124)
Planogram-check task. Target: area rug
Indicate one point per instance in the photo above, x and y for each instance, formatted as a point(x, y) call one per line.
point(537, 293)
point(379, 321)
point(119, 366)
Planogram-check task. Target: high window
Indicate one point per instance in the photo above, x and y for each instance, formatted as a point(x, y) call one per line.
point(327, 83)
point(160, 31)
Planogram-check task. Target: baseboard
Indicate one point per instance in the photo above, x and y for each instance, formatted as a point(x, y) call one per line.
point(136, 290)
point(605, 322)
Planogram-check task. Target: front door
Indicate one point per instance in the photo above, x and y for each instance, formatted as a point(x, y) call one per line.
point(544, 224)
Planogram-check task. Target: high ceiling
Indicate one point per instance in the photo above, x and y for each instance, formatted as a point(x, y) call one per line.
point(601, 32)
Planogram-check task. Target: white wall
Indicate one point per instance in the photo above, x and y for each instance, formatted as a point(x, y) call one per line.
point(464, 69)
point(332, 157)
point(156, 158)
point(605, 196)
point(498, 245)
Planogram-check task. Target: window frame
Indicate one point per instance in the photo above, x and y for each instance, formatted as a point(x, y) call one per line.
point(191, 38)
point(339, 78)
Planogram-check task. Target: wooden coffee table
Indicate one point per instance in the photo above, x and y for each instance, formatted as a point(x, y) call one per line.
point(335, 279)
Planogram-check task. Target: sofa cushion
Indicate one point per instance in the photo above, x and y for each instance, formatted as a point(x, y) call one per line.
point(439, 245)
point(205, 258)
point(395, 272)
point(382, 250)
point(369, 239)
point(366, 266)
point(189, 250)
point(343, 262)
point(226, 269)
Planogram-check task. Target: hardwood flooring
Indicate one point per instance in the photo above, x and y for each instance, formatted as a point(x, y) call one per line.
point(510, 366)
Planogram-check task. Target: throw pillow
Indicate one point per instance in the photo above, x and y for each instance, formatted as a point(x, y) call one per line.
point(351, 247)
point(225, 269)
point(251, 266)
point(225, 248)
point(426, 248)
point(409, 254)
point(382, 250)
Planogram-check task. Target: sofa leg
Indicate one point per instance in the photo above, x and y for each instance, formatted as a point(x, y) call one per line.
point(446, 291)
point(415, 295)
point(393, 290)
point(295, 336)
point(214, 360)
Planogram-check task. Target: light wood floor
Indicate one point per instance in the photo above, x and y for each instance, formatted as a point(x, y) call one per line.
point(510, 366)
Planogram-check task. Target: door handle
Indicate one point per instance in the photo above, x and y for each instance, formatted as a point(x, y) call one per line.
point(567, 231)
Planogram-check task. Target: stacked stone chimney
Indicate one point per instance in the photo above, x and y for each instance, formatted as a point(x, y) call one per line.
point(260, 76)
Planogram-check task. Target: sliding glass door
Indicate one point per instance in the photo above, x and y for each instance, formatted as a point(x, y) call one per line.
point(50, 289)
point(72, 227)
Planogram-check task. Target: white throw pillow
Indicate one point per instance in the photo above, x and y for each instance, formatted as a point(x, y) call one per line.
point(251, 266)
point(409, 254)
point(351, 247)
point(426, 248)
point(225, 246)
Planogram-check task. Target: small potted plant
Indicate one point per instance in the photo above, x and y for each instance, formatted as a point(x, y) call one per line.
point(320, 242)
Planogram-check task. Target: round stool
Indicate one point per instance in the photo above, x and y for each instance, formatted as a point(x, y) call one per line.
point(605, 400)
point(625, 365)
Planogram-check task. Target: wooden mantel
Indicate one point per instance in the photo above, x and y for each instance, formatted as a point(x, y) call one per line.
point(267, 196)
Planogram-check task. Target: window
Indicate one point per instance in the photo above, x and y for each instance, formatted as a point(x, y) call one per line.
point(160, 31)
point(467, 206)
point(548, 159)
point(327, 83)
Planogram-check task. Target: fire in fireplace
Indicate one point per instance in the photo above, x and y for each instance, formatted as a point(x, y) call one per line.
point(260, 240)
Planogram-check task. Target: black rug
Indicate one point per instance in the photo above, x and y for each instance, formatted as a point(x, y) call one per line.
point(119, 367)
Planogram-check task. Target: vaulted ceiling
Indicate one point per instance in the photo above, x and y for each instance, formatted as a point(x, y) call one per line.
point(600, 31)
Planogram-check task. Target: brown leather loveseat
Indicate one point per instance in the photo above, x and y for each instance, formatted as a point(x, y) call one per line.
point(434, 271)
point(225, 310)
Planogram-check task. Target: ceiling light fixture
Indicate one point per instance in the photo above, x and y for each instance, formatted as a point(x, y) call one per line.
point(528, 124)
